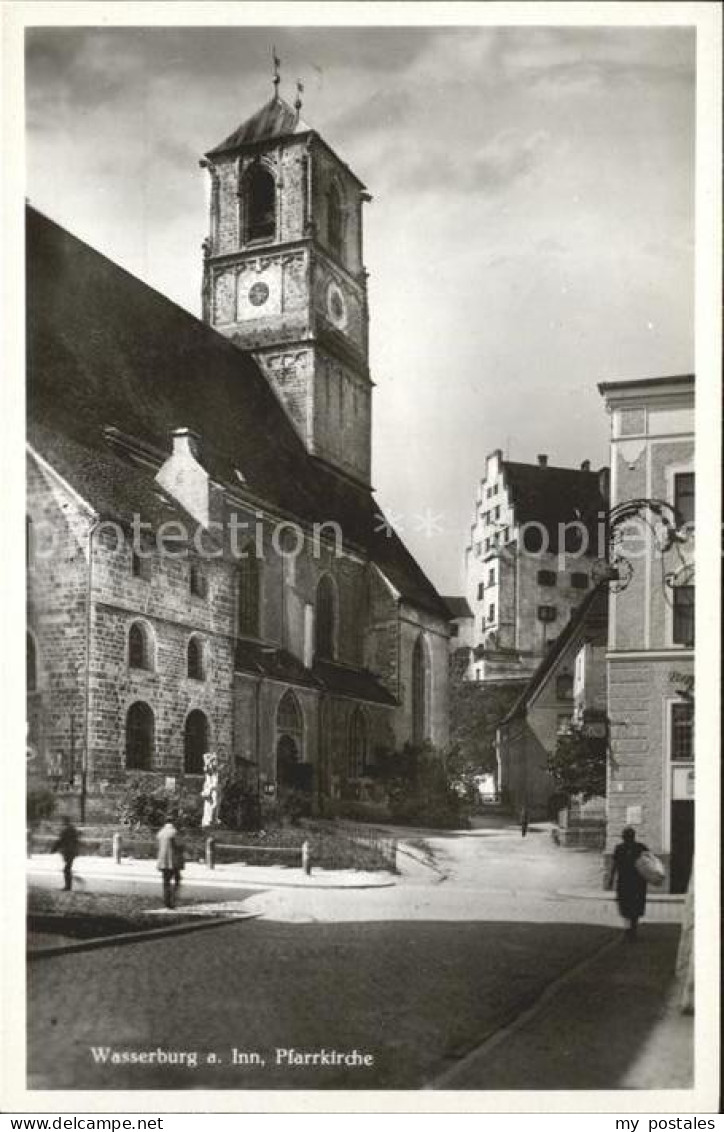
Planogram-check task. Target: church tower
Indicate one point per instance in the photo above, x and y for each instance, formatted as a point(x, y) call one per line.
point(284, 278)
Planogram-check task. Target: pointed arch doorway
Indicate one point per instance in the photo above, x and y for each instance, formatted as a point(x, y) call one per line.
point(292, 772)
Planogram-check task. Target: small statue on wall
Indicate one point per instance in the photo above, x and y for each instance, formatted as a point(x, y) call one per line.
point(210, 790)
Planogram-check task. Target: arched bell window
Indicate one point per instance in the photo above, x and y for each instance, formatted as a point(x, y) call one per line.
point(334, 219)
point(260, 201)
point(140, 728)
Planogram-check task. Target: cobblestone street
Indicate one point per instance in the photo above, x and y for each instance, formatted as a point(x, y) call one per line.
point(416, 976)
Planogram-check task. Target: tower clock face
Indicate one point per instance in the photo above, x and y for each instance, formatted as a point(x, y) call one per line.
point(336, 306)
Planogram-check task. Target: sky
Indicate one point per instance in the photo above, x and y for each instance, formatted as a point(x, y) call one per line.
point(531, 231)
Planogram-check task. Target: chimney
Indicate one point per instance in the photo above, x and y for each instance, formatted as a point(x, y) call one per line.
point(186, 442)
point(183, 477)
point(586, 466)
point(542, 460)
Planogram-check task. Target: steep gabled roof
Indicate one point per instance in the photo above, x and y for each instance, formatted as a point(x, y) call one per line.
point(593, 608)
point(554, 496)
point(104, 349)
point(276, 119)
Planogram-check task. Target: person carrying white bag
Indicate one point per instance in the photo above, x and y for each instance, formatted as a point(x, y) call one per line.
point(634, 867)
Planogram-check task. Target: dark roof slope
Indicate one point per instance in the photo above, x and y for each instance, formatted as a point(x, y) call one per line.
point(458, 606)
point(554, 496)
point(104, 349)
point(594, 609)
point(275, 119)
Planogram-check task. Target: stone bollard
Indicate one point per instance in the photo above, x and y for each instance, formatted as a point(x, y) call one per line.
point(306, 858)
point(210, 853)
point(117, 845)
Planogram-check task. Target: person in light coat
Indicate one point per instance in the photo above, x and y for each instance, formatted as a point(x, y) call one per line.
point(166, 860)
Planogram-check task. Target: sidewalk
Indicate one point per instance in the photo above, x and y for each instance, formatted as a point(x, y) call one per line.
point(235, 875)
point(612, 1022)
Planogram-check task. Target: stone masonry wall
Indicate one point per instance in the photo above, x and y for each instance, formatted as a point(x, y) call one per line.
point(56, 617)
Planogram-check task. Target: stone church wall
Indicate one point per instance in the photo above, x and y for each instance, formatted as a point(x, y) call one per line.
point(56, 616)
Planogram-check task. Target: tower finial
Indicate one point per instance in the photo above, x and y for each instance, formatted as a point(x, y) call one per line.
point(277, 64)
point(298, 100)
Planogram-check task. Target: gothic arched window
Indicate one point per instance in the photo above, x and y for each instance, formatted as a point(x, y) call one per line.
point(139, 646)
point(196, 742)
point(248, 596)
point(289, 714)
point(260, 199)
point(334, 219)
point(420, 692)
point(31, 663)
point(325, 621)
point(139, 736)
point(357, 763)
point(195, 659)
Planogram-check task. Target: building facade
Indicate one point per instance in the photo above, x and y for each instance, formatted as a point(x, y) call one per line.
point(651, 635)
point(537, 541)
point(567, 690)
point(207, 567)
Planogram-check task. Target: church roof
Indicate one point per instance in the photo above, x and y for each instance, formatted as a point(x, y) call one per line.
point(276, 119)
point(104, 349)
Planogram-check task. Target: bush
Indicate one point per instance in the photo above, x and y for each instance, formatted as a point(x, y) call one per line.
point(240, 806)
point(295, 805)
point(146, 804)
point(40, 805)
point(420, 788)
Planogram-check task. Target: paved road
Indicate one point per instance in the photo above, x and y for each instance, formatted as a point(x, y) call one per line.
point(413, 977)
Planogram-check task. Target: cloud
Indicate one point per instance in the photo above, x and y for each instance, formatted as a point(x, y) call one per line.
point(491, 166)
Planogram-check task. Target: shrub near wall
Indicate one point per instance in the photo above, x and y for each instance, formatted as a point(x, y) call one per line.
point(146, 804)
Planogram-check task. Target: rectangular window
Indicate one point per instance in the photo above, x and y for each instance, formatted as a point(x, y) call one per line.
point(487, 544)
point(564, 686)
point(481, 589)
point(140, 566)
point(547, 578)
point(682, 731)
point(684, 615)
point(547, 613)
point(491, 577)
point(563, 722)
point(506, 534)
point(491, 613)
point(454, 629)
point(497, 512)
point(579, 581)
point(684, 497)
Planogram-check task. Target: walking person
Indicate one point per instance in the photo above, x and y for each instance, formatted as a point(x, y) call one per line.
point(523, 820)
point(68, 845)
point(179, 860)
point(630, 885)
point(166, 860)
